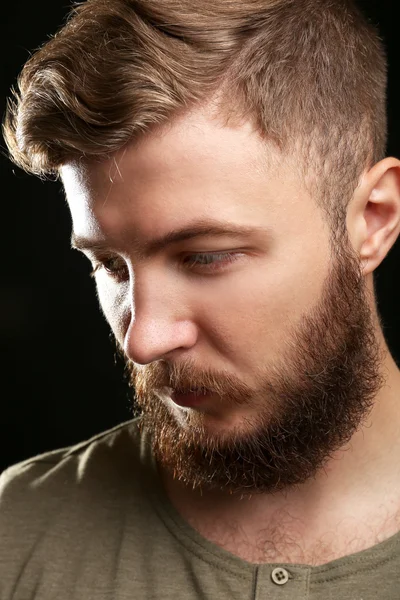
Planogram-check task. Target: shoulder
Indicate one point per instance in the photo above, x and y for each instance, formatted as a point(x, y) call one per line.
point(97, 456)
point(61, 490)
point(58, 508)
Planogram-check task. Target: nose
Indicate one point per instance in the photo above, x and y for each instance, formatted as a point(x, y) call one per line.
point(158, 325)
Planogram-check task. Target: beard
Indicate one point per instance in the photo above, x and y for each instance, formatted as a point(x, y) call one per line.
point(306, 405)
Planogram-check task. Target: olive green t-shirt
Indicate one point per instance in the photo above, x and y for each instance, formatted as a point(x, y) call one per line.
point(93, 522)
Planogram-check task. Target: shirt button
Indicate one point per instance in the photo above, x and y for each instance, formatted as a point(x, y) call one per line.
point(280, 576)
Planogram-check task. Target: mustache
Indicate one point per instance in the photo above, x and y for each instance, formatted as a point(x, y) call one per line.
point(163, 377)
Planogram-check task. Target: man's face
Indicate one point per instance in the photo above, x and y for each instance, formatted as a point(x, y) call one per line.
point(275, 323)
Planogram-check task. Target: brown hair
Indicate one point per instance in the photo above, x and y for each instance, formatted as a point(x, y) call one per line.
point(310, 73)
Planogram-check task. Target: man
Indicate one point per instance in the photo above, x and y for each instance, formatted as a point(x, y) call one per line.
point(224, 164)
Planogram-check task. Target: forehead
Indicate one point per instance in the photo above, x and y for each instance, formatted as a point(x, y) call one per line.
point(194, 165)
point(194, 140)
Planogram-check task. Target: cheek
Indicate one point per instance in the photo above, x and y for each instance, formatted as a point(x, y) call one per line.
point(250, 318)
point(114, 304)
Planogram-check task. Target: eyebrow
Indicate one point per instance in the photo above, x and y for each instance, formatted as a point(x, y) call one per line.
point(200, 228)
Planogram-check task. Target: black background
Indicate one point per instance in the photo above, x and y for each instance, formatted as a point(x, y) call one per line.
point(61, 382)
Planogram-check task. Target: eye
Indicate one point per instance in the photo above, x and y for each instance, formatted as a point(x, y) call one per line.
point(114, 266)
point(210, 261)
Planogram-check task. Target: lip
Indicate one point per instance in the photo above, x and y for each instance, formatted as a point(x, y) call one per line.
point(191, 399)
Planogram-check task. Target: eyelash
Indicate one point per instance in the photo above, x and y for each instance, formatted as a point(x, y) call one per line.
point(229, 257)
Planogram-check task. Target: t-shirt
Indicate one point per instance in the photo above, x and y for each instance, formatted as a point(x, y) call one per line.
point(93, 521)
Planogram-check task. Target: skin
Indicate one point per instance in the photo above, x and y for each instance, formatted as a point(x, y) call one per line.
point(195, 168)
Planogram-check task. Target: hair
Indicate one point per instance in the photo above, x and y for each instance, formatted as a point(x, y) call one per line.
point(310, 75)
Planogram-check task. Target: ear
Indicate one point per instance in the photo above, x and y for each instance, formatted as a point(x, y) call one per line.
point(373, 215)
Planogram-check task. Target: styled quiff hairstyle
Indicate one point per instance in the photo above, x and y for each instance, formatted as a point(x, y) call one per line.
point(310, 75)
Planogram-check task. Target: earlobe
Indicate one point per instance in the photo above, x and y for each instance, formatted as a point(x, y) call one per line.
point(377, 212)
